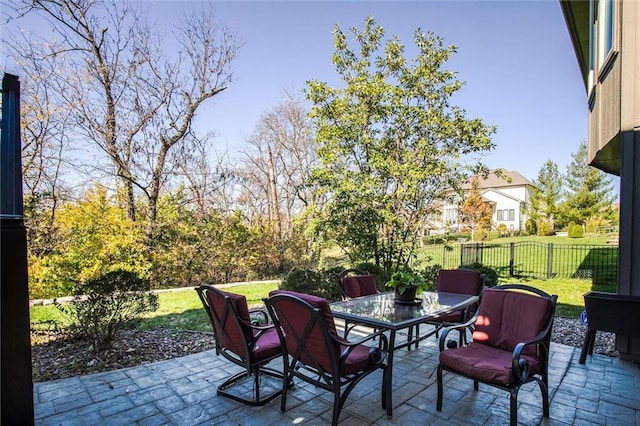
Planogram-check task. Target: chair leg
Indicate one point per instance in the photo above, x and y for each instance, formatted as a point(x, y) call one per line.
point(514, 407)
point(475, 385)
point(256, 383)
point(337, 407)
point(439, 399)
point(544, 390)
point(287, 381)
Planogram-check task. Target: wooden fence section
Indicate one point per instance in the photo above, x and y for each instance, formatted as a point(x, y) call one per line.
point(529, 259)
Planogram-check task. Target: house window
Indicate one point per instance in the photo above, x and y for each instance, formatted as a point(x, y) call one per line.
point(450, 215)
point(505, 215)
point(600, 35)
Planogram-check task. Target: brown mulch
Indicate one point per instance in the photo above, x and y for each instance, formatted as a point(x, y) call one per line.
point(56, 356)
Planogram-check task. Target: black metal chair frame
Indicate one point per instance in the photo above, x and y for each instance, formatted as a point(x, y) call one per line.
point(252, 367)
point(520, 366)
point(333, 381)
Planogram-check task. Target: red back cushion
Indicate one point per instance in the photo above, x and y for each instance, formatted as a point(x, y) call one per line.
point(461, 281)
point(294, 319)
point(359, 285)
point(507, 318)
point(232, 336)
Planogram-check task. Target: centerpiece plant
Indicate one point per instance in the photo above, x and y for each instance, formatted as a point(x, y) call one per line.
point(407, 284)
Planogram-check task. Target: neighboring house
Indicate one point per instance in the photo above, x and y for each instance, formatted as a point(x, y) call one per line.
point(606, 39)
point(509, 196)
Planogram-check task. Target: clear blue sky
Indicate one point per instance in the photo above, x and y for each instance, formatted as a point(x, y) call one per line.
point(515, 57)
point(516, 60)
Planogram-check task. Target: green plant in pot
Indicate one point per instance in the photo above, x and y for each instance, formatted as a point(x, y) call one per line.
point(406, 285)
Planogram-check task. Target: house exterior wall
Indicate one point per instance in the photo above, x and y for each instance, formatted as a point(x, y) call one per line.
point(512, 202)
point(614, 90)
point(511, 207)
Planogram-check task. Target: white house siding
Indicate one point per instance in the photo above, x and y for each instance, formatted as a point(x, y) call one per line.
point(510, 199)
point(506, 210)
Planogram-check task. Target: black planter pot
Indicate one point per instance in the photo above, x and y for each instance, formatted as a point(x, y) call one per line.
point(409, 295)
point(609, 312)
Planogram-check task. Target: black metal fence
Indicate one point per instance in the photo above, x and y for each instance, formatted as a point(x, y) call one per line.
point(530, 259)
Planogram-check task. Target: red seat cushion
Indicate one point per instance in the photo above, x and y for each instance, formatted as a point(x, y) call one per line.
point(359, 285)
point(485, 363)
point(267, 345)
point(358, 360)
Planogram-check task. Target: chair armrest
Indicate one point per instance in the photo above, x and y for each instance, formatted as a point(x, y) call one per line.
point(466, 325)
point(378, 355)
point(261, 314)
point(520, 366)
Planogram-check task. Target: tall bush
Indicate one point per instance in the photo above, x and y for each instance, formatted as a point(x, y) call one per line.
point(104, 305)
point(95, 237)
point(318, 283)
point(490, 274)
point(576, 231)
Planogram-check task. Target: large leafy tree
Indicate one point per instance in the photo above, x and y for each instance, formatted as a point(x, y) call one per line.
point(390, 144)
point(130, 99)
point(589, 191)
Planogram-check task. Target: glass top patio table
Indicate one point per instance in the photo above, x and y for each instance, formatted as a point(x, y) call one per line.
point(381, 311)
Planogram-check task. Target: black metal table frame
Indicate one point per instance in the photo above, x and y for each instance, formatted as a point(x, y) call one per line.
point(381, 312)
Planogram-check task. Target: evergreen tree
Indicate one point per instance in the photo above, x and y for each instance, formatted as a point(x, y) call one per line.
point(589, 192)
point(547, 193)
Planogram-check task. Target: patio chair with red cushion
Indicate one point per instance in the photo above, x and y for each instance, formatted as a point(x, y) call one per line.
point(313, 351)
point(459, 281)
point(357, 283)
point(242, 342)
point(510, 344)
point(354, 283)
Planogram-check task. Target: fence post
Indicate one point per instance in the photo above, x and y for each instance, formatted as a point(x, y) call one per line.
point(444, 255)
point(512, 255)
point(549, 260)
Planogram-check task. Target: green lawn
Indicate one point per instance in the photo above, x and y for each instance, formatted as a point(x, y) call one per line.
point(570, 293)
point(180, 309)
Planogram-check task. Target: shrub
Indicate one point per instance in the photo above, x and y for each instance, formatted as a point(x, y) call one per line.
point(430, 274)
point(318, 283)
point(544, 228)
point(104, 305)
point(490, 274)
point(480, 235)
point(594, 224)
point(531, 227)
point(576, 231)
